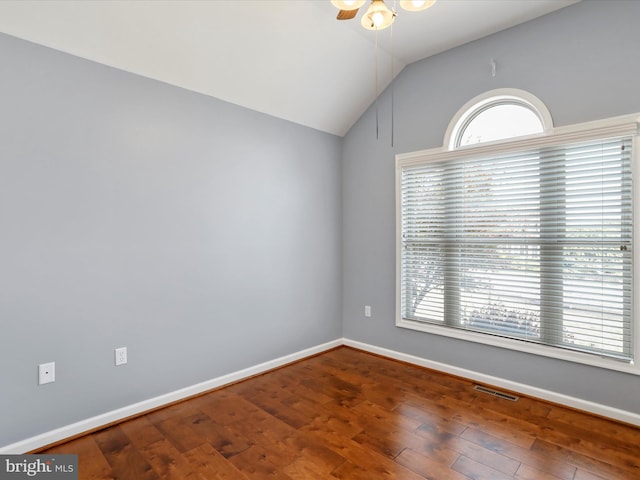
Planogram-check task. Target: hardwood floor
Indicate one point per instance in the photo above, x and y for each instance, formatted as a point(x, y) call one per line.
point(350, 415)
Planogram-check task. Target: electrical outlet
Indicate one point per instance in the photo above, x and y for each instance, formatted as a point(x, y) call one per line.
point(46, 373)
point(367, 310)
point(121, 356)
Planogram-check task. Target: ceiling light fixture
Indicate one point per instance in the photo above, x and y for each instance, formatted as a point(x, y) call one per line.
point(348, 4)
point(416, 5)
point(378, 16)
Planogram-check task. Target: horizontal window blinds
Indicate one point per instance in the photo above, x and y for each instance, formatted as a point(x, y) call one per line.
point(533, 244)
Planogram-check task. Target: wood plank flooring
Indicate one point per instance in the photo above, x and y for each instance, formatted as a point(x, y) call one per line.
point(347, 414)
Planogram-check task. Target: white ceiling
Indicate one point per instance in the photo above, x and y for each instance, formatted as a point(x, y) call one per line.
point(287, 58)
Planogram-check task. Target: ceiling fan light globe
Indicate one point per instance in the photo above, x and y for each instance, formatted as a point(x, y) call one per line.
point(416, 5)
point(378, 16)
point(348, 4)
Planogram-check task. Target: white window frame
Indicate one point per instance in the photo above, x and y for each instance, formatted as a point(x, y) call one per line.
point(572, 132)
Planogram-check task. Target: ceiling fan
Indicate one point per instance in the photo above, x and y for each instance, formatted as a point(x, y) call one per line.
point(378, 15)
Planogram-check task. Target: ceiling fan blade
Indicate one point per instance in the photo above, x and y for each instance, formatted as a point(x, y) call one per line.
point(347, 14)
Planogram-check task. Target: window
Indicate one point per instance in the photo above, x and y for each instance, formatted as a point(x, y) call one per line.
point(525, 244)
point(497, 121)
point(497, 115)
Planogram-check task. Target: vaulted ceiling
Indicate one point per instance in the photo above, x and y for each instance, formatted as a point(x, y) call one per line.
point(288, 58)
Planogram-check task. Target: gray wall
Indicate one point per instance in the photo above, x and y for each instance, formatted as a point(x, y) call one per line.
point(203, 236)
point(583, 63)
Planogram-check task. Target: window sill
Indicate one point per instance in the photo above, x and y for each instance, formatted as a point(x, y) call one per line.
point(521, 346)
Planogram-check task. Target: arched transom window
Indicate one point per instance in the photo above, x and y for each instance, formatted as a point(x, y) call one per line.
point(498, 115)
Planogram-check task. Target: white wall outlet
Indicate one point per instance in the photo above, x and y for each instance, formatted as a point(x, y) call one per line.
point(121, 356)
point(367, 310)
point(46, 373)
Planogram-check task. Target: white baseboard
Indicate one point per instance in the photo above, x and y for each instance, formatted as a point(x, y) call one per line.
point(98, 421)
point(559, 398)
